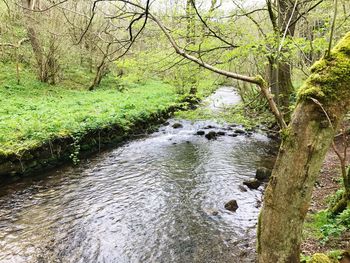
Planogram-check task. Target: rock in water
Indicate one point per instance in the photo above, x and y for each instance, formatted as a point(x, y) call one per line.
point(211, 135)
point(200, 132)
point(242, 188)
point(209, 127)
point(221, 133)
point(252, 184)
point(177, 125)
point(231, 205)
point(215, 212)
point(239, 131)
point(263, 173)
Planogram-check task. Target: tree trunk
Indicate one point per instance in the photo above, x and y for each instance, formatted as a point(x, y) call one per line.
point(47, 64)
point(344, 200)
point(280, 74)
point(190, 19)
point(100, 72)
point(273, 79)
point(33, 38)
point(38, 53)
point(285, 87)
point(323, 101)
point(287, 14)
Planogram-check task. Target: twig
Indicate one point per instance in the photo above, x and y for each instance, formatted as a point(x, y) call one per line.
point(332, 28)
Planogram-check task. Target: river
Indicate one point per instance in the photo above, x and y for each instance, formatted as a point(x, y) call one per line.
point(156, 199)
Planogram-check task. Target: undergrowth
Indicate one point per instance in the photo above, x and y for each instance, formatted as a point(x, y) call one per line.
point(32, 112)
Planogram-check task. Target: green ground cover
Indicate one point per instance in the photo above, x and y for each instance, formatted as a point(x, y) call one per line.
point(32, 112)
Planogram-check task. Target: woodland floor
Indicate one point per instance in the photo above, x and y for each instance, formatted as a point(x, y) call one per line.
point(327, 185)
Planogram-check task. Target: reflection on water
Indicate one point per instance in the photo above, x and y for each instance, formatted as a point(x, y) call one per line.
point(151, 200)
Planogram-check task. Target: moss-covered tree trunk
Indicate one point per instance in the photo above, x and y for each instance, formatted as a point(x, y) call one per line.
point(323, 101)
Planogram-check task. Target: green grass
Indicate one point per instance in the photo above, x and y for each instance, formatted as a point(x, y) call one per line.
point(32, 113)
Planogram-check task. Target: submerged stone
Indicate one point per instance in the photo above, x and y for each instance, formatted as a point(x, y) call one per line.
point(211, 135)
point(239, 131)
point(263, 174)
point(252, 184)
point(231, 205)
point(177, 125)
point(209, 127)
point(221, 133)
point(242, 188)
point(215, 212)
point(200, 132)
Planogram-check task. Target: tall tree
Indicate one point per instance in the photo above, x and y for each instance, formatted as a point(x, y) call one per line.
point(323, 101)
point(280, 69)
point(46, 60)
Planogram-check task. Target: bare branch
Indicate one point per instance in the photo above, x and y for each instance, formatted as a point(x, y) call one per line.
point(209, 28)
point(42, 10)
point(17, 45)
point(253, 80)
point(306, 12)
point(332, 28)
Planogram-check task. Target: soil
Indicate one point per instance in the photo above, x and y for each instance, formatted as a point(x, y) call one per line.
point(326, 186)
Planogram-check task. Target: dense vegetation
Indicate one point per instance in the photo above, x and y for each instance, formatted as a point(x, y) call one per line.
point(34, 113)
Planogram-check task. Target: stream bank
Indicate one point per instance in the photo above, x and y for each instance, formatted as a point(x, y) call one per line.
point(62, 150)
point(42, 126)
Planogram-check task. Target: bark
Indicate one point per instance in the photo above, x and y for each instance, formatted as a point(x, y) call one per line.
point(38, 52)
point(323, 101)
point(286, 88)
point(30, 5)
point(273, 78)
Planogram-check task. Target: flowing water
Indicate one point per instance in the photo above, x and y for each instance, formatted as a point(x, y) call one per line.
point(156, 199)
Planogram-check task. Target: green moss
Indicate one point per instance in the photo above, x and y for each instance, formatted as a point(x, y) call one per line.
point(320, 258)
point(319, 65)
point(261, 81)
point(330, 76)
point(285, 133)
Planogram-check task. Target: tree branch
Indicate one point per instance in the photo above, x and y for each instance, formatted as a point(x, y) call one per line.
point(209, 28)
point(258, 80)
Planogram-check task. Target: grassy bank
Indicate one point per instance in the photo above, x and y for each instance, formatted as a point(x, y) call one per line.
point(33, 113)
